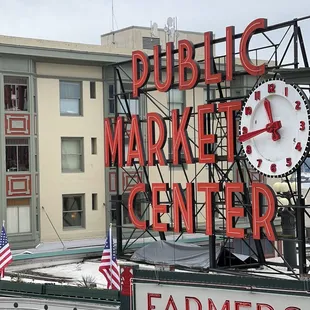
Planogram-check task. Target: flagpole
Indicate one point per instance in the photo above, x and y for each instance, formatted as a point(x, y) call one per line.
point(2, 272)
point(111, 246)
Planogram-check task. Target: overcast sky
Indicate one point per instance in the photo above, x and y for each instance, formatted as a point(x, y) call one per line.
point(84, 20)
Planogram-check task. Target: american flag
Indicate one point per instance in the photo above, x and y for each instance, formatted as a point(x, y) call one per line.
point(5, 252)
point(108, 266)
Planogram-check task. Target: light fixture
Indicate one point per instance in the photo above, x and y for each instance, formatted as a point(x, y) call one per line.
point(277, 187)
point(284, 187)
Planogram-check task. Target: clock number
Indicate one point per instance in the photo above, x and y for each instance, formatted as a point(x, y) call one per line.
point(248, 110)
point(288, 162)
point(244, 130)
point(286, 91)
point(298, 146)
point(302, 126)
point(273, 168)
point(257, 95)
point(259, 162)
point(297, 105)
point(248, 149)
point(271, 88)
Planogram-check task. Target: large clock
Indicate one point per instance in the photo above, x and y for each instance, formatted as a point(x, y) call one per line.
point(274, 128)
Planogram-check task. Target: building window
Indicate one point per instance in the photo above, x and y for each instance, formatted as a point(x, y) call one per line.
point(212, 94)
point(176, 100)
point(18, 216)
point(73, 211)
point(94, 146)
point(132, 103)
point(149, 42)
point(70, 98)
point(92, 86)
point(94, 200)
point(72, 154)
point(133, 106)
point(17, 154)
point(125, 215)
point(111, 100)
point(15, 93)
point(113, 204)
point(137, 208)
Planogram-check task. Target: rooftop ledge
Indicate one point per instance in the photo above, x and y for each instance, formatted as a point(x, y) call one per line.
point(57, 49)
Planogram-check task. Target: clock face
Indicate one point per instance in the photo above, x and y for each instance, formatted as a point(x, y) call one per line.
point(274, 128)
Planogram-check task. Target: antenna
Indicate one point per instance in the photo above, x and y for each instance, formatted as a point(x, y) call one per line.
point(154, 30)
point(171, 29)
point(112, 15)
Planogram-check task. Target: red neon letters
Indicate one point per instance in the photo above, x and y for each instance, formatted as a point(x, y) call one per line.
point(183, 208)
point(189, 71)
point(114, 142)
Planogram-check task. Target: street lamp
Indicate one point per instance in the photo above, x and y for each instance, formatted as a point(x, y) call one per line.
point(284, 193)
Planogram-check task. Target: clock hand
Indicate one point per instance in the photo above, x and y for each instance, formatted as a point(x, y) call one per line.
point(271, 128)
point(250, 135)
point(268, 110)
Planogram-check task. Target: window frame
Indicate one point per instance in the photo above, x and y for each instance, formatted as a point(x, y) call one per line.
point(27, 101)
point(17, 155)
point(80, 83)
point(82, 211)
point(82, 165)
point(172, 104)
point(17, 205)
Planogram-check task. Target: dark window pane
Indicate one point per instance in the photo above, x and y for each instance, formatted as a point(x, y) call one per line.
point(23, 159)
point(73, 211)
point(17, 155)
point(11, 158)
point(72, 219)
point(15, 93)
point(92, 90)
point(111, 106)
point(113, 204)
point(72, 203)
point(111, 91)
point(94, 202)
point(137, 208)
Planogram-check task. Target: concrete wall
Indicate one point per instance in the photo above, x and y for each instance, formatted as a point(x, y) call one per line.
point(132, 38)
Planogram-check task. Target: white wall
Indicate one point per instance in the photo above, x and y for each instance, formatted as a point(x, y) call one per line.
point(52, 126)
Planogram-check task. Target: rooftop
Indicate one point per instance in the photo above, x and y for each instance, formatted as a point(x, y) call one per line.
point(58, 49)
point(149, 28)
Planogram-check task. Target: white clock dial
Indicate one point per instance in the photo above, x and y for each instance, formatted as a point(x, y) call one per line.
point(274, 128)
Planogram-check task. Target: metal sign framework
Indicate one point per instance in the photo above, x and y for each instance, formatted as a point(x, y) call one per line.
point(221, 172)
